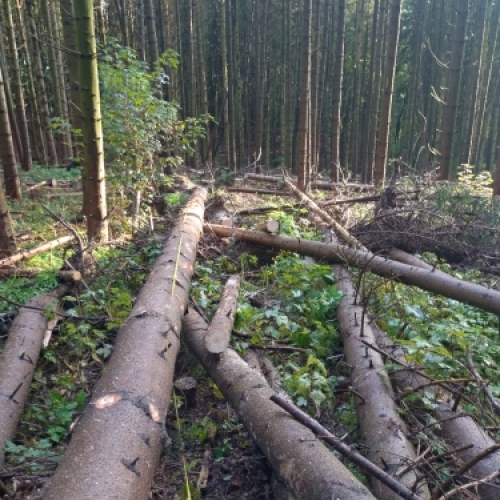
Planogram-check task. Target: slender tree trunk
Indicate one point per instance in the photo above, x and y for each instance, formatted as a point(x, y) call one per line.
point(473, 95)
point(42, 92)
point(7, 154)
point(225, 87)
point(491, 45)
point(388, 86)
point(69, 36)
point(337, 89)
point(454, 72)
point(149, 14)
point(26, 160)
point(315, 63)
point(304, 163)
point(94, 187)
point(231, 83)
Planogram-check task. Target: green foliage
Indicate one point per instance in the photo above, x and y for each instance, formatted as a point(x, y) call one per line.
point(437, 332)
point(304, 299)
point(205, 430)
point(138, 122)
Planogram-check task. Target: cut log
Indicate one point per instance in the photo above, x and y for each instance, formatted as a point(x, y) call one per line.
point(28, 254)
point(219, 332)
point(15, 272)
point(50, 183)
point(307, 467)
point(116, 445)
point(272, 192)
point(271, 226)
point(19, 357)
point(341, 231)
point(458, 432)
point(382, 430)
point(454, 288)
point(70, 275)
point(325, 185)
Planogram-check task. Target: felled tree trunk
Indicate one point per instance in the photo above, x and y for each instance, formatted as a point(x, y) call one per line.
point(18, 360)
point(115, 448)
point(307, 467)
point(458, 432)
point(28, 254)
point(382, 429)
point(440, 283)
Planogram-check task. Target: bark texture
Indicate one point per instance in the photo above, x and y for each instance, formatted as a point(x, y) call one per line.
point(382, 429)
point(219, 332)
point(18, 360)
point(116, 446)
point(451, 287)
point(307, 467)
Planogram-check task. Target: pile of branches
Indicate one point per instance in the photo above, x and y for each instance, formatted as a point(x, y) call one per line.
point(453, 224)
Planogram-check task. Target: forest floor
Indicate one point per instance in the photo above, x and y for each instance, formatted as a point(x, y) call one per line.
point(287, 304)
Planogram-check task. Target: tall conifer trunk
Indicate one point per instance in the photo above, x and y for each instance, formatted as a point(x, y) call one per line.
point(388, 88)
point(94, 187)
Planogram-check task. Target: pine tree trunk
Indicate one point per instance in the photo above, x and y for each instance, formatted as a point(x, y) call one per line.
point(454, 73)
point(94, 187)
point(388, 88)
point(26, 160)
point(337, 89)
point(473, 93)
point(7, 153)
point(304, 164)
point(149, 14)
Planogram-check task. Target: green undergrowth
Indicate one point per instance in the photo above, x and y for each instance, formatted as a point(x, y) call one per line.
point(299, 299)
point(437, 332)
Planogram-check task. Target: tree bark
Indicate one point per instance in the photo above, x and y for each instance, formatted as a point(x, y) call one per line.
point(115, 448)
point(382, 430)
point(463, 291)
point(93, 176)
point(307, 467)
point(219, 332)
point(18, 360)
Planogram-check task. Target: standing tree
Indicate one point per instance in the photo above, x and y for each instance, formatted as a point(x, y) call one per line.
point(454, 72)
point(26, 161)
point(303, 170)
point(7, 154)
point(337, 89)
point(94, 186)
point(388, 88)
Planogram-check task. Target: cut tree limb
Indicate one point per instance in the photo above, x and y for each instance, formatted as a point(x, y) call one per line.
point(341, 231)
point(219, 332)
point(116, 445)
point(441, 283)
point(458, 428)
point(382, 429)
point(28, 254)
point(307, 467)
point(271, 226)
point(19, 357)
point(397, 489)
point(273, 192)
